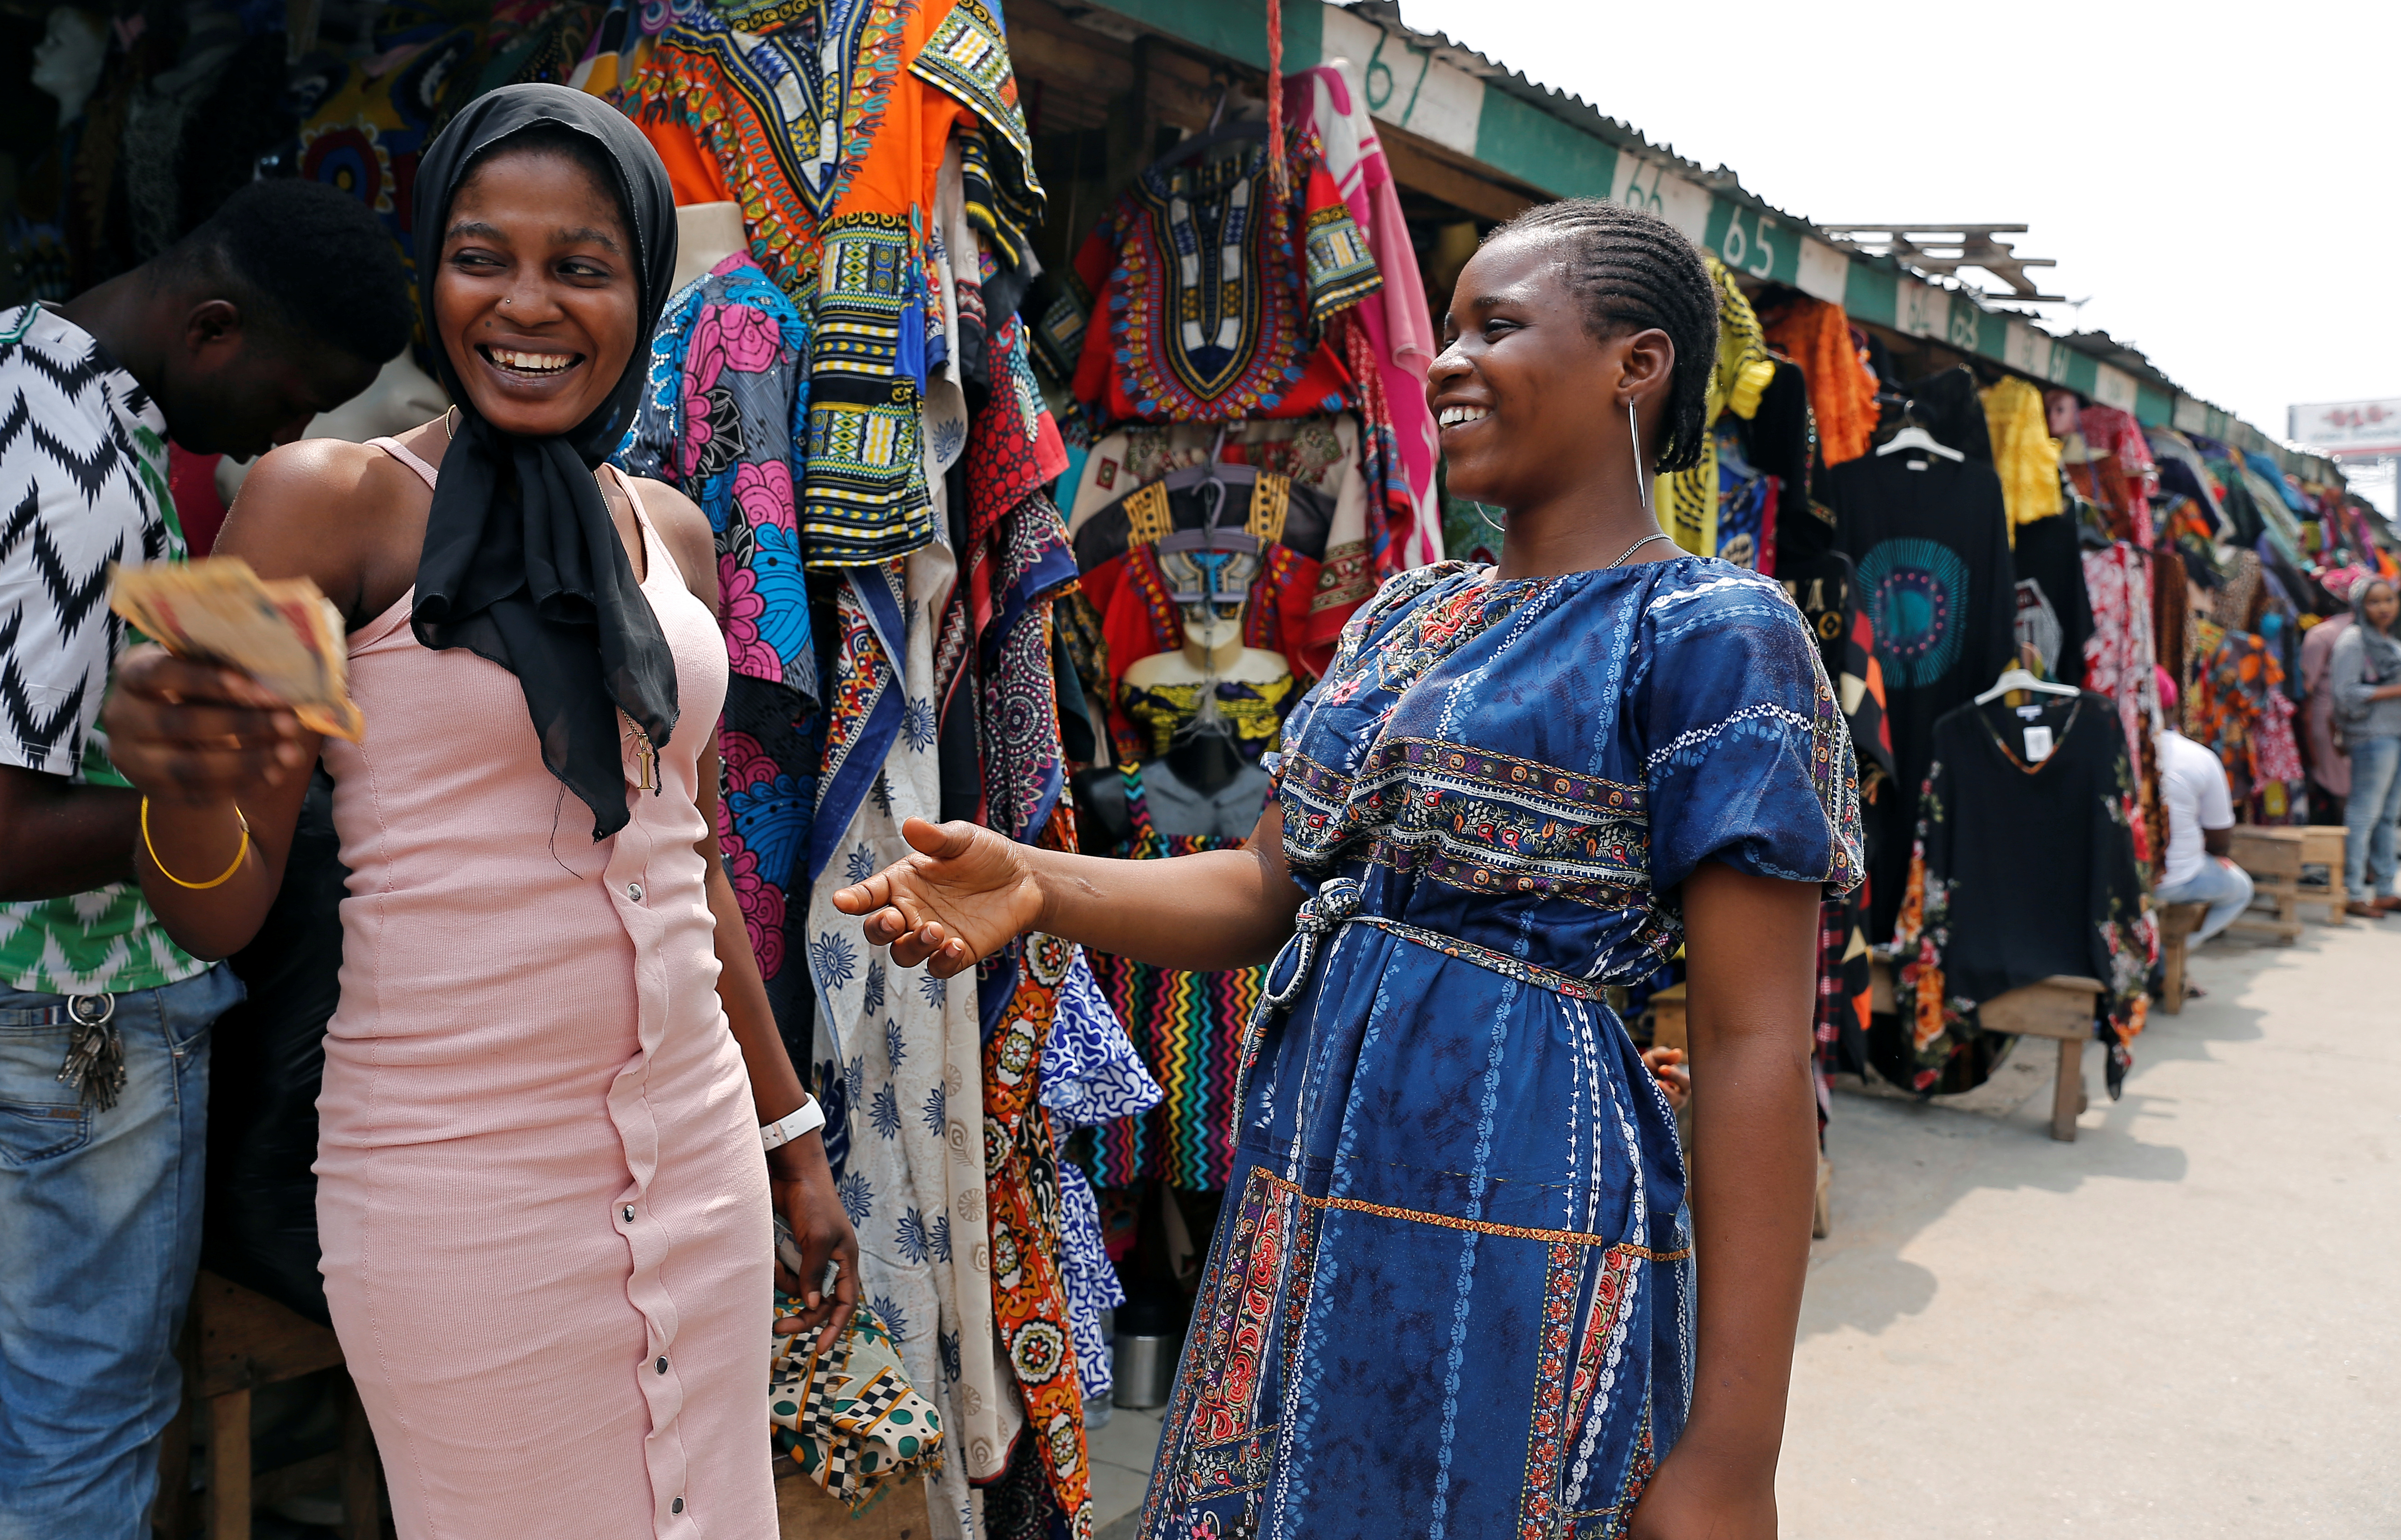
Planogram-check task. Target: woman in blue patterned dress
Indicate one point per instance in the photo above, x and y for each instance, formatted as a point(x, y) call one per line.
point(1451, 1292)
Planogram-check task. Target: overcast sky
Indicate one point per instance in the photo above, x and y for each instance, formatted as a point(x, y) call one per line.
point(2222, 183)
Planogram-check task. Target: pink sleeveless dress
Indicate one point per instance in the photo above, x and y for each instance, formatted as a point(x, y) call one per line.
point(544, 1208)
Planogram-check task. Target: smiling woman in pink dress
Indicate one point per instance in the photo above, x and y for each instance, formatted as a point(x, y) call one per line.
point(545, 1210)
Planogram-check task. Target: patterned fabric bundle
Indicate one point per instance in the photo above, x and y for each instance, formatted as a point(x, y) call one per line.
point(721, 420)
point(833, 119)
point(1090, 1075)
point(2023, 452)
point(1688, 499)
point(1978, 919)
point(2120, 659)
point(1188, 1028)
point(1213, 313)
point(847, 1414)
point(1842, 387)
point(2117, 471)
point(1029, 1291)
point(2240, 711)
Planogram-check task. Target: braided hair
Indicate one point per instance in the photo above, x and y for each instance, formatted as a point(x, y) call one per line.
point(1635, 271)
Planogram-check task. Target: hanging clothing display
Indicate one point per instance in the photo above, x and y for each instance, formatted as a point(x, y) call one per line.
point(1204, 310)
point(2241, 712)
point(1781, 440)
point(720, 419)
point(2023, 452)
point(1029, 1300)
point(1092, 1076)
point(1930, 542)
point(1688, 500)
point(1322, 571)
point(1188, 1030)
point(2023, 867)
point(2120, 663)
point(1843, 388)
point(907, 1059)
point(2055, 615)
point(1397, 323)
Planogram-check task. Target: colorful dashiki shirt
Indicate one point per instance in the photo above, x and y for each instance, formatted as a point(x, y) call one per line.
point(833, 117)
point(720, 419)
point(1457, 1205)
point(1980, 918)
point(1188, 1030)
point(1212, 294)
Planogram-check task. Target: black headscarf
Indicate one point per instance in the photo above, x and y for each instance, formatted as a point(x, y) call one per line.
point(521, 564)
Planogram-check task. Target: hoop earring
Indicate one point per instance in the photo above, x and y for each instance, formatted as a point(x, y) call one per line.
point(1499, 525)
point(1634, 435)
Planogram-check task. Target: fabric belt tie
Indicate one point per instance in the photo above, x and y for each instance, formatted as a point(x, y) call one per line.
point(1338, 903)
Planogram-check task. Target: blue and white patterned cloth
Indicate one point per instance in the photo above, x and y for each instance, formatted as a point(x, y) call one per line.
point(1090, 1073)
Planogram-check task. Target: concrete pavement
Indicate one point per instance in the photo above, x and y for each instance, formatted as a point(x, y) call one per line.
point(2182, 1324)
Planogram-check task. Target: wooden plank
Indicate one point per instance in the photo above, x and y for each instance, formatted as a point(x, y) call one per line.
point(2266, 852)
point(2058, 1007)
point(804, 1512)
point(229, 1465)
point(2177, 921)
point(2067, 1090)
point(1423, 167)
point(247, 1340)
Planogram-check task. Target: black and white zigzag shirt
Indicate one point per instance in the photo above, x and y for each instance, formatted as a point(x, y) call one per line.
point(83, 483)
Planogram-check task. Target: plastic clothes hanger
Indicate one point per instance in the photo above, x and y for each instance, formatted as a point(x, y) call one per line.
point(1914, 437)
point(2014, 677)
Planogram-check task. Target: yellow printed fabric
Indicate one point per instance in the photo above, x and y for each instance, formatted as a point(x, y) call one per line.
point(2023, 452)
point(1688, 499)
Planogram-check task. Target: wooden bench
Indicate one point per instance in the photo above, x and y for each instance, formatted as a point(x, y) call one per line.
point(2061, 1007)
point(2322, 845)
point(242, 1339)
point(1669, 1030)
point(2177, 921)
point(2273, 857)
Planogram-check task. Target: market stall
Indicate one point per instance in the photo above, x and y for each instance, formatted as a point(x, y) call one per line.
point(1055, 383)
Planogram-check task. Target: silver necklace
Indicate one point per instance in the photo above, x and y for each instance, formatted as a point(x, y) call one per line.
point(1637, 546)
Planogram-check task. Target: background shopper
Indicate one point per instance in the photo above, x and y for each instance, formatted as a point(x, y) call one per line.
point(2365, 677)
point(2200, 806)
point(277, 308)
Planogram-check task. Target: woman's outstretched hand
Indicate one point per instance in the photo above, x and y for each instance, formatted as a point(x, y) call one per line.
point(964, 896)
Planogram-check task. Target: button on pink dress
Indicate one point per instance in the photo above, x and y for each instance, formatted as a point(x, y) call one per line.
point(543, 1207)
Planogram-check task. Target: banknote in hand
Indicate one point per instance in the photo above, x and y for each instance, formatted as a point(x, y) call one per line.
point(286, 634)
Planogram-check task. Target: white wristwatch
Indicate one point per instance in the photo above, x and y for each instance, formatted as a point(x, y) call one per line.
point(807, 1119)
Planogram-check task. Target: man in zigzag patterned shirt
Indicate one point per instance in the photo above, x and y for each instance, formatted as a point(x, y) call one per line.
point(282, 306)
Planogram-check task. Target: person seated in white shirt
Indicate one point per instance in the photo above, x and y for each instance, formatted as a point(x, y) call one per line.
point(2200, 823)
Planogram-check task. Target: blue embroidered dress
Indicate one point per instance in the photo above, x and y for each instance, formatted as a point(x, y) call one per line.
point(1450, 1290)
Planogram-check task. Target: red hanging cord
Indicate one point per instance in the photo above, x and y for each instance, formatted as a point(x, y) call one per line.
point(1279, 179)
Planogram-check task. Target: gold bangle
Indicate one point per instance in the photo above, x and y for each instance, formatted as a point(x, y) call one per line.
point(241, 853)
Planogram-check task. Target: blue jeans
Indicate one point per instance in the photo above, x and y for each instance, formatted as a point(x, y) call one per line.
point(2226, 889)
point(2368, 816)
point(100, 1235)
